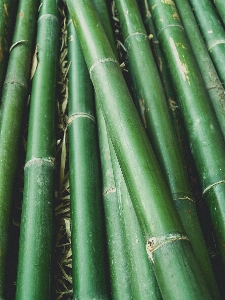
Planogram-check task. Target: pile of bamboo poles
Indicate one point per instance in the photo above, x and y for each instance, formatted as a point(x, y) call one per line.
point(112, 146)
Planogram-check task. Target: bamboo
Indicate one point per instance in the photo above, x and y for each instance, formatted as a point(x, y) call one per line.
point(166, 82)
point(154, 207)
point(8, 10)
point(220, 5)
point(158, 124)
point(142, 277)
point(13, 99)
point(213, 33)
point(34, 264)
point(118, 256)
point(208, 72)
point(118, 261)
point(205, 138)
point(89, 276)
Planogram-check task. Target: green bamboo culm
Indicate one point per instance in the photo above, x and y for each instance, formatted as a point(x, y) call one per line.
point(103, 13)
point(118, 259)
point(212, 82)
point(166, 81)
point(213, 33)
point(89, 276)
point(158, 123)
point(8, 10)
point(205, 138)
point(35, 249)
point(220, 5)
point(14, 97)
point(166, 243)
point(142, 277)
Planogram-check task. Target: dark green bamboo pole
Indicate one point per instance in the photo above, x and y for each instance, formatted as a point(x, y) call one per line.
point(14, 96)
point(34, 264)
point(142, 278)
point(220, 5)
point(213, 33)
point(166, 81)
point(205, 138)
point(89, 276)
point(118, 256)
point(174, 264)
point(118, 261)
point(140, 274)
point(158, 124)
point(208, 72)
point(8, 10)
point(103, 13)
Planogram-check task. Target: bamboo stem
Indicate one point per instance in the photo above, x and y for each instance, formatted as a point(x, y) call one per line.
point(89, 276)
point(35, 251)
point(206, 141)
point(153, 204)
point(14, 97)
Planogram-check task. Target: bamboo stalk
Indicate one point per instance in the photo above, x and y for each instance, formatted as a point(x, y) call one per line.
point(142, 277)
point(118, 256)
point(14, 96)
point(220, 5)
point(34, 265)
point(89, 276)
point(158, 124)
point(213, 33)
point(212, 82)
point(118, 260)
point(205, 138)
point(160, 223)
point(8, 10)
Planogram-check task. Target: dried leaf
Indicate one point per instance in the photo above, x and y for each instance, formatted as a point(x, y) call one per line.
point(35, 62)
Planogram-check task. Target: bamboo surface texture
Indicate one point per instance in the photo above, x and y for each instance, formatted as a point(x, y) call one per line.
point(8, 10)
point(211, 79)
point(118, 259)
point(213, 33)
point(14, 97)
point(35, 251)
point(205, 138)
point(158, 124)
point(89, 275)
point(142, 277)
point(157, 216)
point(220, 5)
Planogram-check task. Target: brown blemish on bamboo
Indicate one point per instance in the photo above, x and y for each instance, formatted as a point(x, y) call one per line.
point(6, 9)
point(142, 109)
point(21, 14)
point(155, 243)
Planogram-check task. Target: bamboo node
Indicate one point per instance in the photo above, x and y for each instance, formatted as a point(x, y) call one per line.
point(103, 60)
point(110, 190)
point(184, 198)
point(17, 43)
point(155, 243)
point(39, 161)
point(216, 43)
point(135, 33)
point(79, 115)
point(212, 185)
point(49, 16)
point(172, 25)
